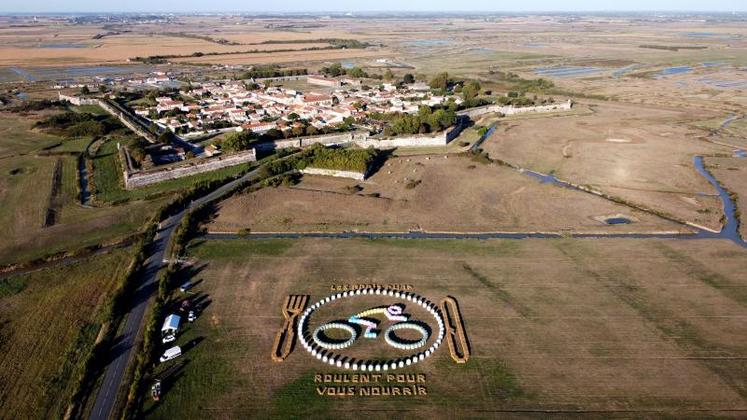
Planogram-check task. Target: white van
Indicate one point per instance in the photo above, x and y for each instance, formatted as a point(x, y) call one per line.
point(170, 328)
point(171, 354)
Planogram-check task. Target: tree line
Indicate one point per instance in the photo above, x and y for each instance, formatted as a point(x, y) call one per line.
point(272, 71)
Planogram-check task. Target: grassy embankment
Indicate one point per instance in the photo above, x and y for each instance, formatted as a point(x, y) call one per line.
point(25, 189)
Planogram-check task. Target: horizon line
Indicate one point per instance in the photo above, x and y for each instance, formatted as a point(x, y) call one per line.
point(345, 13)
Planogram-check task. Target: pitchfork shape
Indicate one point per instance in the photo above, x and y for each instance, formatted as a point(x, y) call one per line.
point(294, 305)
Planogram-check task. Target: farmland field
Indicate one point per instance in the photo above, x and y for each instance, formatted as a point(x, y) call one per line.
point(50, 319)
point(576, 326)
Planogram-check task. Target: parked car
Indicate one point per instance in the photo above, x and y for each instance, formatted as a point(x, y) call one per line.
point(191, 316)
point(155, 390)
point(184, 287)
point(171, 354)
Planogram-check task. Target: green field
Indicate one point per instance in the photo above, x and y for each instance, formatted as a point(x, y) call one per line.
point(16, 136)
point(25, 197)
point(77, 145)
point(90, 109)
point(595, 327)
point(25, 187)
point(50, 320)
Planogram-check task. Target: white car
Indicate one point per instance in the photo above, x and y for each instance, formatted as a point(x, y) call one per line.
point(191, 316)
point(171, 354)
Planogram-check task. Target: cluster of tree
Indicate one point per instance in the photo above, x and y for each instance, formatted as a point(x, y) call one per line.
point(672, 47)
point(441, 81)
point(470, 90)
point(346, 43)
point(217, 125)
point(336, 69)
point(221, 41)
point(236, 142)
point(518, 99)
point(524, 85)
point(335, 42)
point(243, 140)
point(319, 156)
point(342, 159)
point(425, 121)
point(28, 106)
point(166, 137)
point(74, 124)
point(137, 151)
point(272, 71)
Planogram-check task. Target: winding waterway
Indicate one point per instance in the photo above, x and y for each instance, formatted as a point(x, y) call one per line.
point(83, 177)
point(729, 230)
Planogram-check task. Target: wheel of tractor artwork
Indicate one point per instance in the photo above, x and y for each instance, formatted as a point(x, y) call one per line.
point(327, 350)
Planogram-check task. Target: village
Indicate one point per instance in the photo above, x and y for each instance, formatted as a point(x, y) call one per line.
point(238, 105)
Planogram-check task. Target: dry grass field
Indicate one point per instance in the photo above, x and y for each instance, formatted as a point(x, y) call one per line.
point(640, 154)
point(49, 320)
point(631, 328)
point(54, 44)
point(431, 193)
point(119, 49)
point(284, 57)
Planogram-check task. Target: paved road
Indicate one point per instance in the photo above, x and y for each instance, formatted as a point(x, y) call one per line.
point(122, 351)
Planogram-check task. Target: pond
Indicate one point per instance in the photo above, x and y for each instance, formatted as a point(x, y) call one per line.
point(63, 45)
point(433, 42)
point(618, 221)
point(567, 71)
point(670, 71)
point(624, 70)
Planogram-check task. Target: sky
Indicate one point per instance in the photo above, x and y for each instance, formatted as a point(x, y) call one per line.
point(38, 6)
